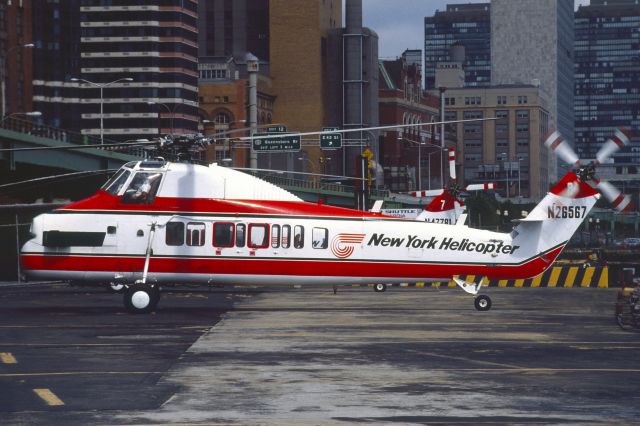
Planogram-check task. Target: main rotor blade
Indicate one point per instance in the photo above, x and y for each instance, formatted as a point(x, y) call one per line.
point(619, 201)
point(620, 139)
point(427, 193)
point(556, 143)
point(480, 186)
point(107, 145)
point(60, 177)
point(452, 163)
point(362, 129)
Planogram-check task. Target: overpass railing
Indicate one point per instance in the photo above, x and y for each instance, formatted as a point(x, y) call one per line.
point(29, 128)
point(316, 185)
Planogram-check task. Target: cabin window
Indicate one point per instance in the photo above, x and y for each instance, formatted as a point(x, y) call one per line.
point(275, 236)
point(320, 238)
point(298, 237)
point(223, 234)
point(117, 181)
point(286, 236)
point(175, 234)
point(258, 235)
point(142, 189)
point(241, 234)
point(195, 234)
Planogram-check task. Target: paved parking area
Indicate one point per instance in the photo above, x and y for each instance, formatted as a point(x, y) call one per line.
point(307, 356)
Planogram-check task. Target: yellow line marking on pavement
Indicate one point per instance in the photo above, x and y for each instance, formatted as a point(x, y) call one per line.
point(7, 358)
point(49, 397)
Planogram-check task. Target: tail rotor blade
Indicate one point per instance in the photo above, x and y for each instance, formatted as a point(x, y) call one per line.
point(620, 139)
point(480, 186)
point(427, 193)
point(556, 143)
point(619, 201)
point(452, 163)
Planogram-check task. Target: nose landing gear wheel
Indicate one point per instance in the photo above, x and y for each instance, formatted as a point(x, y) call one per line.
point(379, 287)
point(141, 298)
point(482, 303)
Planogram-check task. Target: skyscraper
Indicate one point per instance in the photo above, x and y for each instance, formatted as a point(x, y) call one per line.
point(532, 43)
point(607, 72)
point(15, 57)
point(464, 24)
point(127, 69)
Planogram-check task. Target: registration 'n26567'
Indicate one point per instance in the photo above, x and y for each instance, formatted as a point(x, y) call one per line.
point(555, 211)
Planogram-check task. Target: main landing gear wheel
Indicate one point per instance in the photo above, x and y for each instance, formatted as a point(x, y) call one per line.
point(141, 298)
point(379, 287)
point(482, 302)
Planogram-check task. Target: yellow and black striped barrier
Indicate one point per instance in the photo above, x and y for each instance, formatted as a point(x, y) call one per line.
point(564, 275)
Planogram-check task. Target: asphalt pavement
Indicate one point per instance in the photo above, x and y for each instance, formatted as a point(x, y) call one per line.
point(307, 356)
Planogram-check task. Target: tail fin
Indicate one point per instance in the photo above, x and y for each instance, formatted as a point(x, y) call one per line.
point(444, 208)
point(557, 217)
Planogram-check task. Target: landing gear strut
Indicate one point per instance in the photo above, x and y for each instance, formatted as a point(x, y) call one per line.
point(141, 298)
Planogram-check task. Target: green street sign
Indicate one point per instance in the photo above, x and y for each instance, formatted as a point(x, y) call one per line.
point(275, 143)
point(330, 140)
point(276, 129)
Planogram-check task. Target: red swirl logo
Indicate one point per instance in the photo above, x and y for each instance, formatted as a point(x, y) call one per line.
point(343, 245)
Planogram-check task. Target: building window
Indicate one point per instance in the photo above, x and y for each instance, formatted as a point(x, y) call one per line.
point(522, 113)
point(522, 100)
point(472, 114)
point(502, 114)
point(222, 118)
point(473, 100)
point(502, 100)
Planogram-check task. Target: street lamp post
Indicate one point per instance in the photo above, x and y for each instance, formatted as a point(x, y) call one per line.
point(101, 86)
point(228, 131)
point(308, 160)
point(519, 193)
point(419, 159)
point(3, 69)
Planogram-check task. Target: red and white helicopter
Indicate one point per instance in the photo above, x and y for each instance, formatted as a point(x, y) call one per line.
point(446, 207)
point(157, 222)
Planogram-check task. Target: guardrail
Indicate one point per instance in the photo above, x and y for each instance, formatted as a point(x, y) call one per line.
point(316, 185)
point(29, 128)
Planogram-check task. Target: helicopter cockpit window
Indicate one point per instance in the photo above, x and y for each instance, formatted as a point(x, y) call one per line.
point(143, 188)
point(117, 181)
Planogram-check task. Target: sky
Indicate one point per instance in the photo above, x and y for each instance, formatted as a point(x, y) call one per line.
point(399, 23)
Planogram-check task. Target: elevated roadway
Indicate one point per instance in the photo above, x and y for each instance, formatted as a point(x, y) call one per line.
point(16, 133)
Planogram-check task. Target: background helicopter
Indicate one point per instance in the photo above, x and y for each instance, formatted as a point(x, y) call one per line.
point(447, 207)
